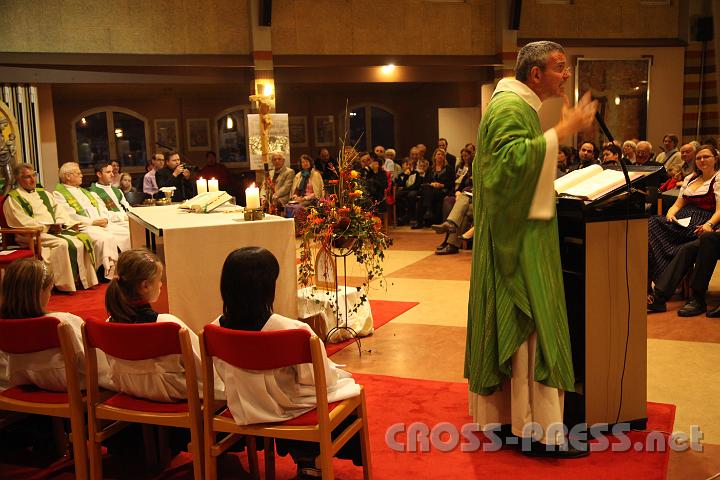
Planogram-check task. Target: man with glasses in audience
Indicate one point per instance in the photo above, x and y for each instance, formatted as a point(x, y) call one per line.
point(150, 185)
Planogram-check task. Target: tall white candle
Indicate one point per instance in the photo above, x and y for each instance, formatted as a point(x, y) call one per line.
point(252, 197)
point(202, 186)
point(213, 185)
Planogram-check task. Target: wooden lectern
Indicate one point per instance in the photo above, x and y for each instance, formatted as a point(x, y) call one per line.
point(603, 247)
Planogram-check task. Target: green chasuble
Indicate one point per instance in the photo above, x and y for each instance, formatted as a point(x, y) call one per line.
point(516, 284)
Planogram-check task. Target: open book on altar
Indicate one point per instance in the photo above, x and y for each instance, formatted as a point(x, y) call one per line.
point(591, 183)
point(206, 202)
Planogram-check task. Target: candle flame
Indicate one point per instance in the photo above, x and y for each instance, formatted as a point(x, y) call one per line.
point(252, 186)
point(212, 178)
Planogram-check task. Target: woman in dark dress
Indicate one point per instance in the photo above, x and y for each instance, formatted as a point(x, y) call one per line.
point(699, 200)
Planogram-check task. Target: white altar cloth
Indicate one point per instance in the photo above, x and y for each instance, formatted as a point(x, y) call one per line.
point(194, 247)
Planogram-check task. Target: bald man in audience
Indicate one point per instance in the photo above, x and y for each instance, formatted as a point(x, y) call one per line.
point(69, 252)
point(87, 210)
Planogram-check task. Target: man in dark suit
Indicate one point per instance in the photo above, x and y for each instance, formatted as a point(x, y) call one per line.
point(451, 159)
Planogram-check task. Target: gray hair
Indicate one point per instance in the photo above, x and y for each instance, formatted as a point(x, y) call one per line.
point(65, 170)
point(17, 171)
point(643, 143)
point(629, 143)
point(695, 144)
point(534, 54)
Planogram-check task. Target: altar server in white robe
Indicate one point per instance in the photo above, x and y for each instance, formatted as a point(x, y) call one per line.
point(112, 197)
point(69, 253)
point(247, 286)
point(128, 299)
point(86, 209)
point(26, 289)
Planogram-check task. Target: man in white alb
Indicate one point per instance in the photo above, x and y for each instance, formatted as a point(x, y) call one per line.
point(90, 213)
point(69, 252)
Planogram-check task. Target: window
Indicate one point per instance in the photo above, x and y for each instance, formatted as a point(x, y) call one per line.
point(108, 134)
point(371, 125)
point(231, 134)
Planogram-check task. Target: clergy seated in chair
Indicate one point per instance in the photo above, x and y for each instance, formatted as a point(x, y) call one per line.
point(69, 252)
point(247, 287)
point(89, 212)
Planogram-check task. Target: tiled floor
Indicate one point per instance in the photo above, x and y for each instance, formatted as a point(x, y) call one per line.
point(428, 342)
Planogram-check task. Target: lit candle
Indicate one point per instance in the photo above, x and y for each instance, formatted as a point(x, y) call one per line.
point(213, 185)
point(252, 197)
point(202, 186)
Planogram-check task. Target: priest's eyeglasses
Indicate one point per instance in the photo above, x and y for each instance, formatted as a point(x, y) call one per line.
point(561, 68)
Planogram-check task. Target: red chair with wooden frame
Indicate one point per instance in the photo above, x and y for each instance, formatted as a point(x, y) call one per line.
point(268, 351)
point(139, 342)
point(8, 240)
point(23, 336)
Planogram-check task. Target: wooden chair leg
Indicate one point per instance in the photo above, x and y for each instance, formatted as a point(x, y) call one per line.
point(252, 457)
point(269, 458)
point(211, 466)
point(95, 458)
point(365, 440)
point(80, 452)
point(197, 451)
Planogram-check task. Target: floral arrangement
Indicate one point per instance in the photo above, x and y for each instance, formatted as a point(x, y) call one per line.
point(345, 224)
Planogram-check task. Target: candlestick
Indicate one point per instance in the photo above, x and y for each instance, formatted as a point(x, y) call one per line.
point(213, 185)
point(202, 186)
point(252, 197)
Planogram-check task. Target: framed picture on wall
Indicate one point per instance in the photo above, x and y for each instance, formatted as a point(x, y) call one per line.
point(298, 131)
point(324, 130)
point(166, 133)
point(198, 134)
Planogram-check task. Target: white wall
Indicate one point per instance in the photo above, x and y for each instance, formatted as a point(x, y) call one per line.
point(459, 126)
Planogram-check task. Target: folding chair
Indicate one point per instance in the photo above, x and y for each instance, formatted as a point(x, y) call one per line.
point(30, 335)
point(139, 342)
point(268, 351)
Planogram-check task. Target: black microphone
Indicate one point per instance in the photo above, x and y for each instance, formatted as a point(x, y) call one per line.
point(606, 131)
point(604, 127)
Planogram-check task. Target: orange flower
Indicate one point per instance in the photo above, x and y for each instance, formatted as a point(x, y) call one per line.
point(354, 174)
point(356, 194)
point(317, 221)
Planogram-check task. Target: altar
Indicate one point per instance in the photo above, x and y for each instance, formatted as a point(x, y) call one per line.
point(194, 246)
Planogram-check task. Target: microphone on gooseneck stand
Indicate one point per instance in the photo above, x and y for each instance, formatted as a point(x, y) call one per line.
point(606, 131)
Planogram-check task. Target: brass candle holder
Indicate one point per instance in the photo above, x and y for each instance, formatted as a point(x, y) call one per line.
point(252, 214)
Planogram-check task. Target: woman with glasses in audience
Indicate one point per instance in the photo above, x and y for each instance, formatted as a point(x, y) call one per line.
point(696, 210)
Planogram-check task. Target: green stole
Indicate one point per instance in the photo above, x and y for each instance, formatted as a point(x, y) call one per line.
point(516, 284)
point(73, 201)
point(83, 237)
point(110, 204)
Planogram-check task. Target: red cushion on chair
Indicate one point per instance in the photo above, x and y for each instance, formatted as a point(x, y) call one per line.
point(31, 393)
point(309, 418)
point(128, 402)
point(249, 350)
point(134, 341)
point(28, 335)
point(15, 255)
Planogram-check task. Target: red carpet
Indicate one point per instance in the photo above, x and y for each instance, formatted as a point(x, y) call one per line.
point(393, 400)
point(383, 311)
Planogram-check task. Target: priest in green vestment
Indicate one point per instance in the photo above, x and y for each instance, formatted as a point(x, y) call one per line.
point(518, 361)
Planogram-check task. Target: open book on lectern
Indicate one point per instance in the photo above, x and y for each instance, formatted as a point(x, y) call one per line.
point(591, 183)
